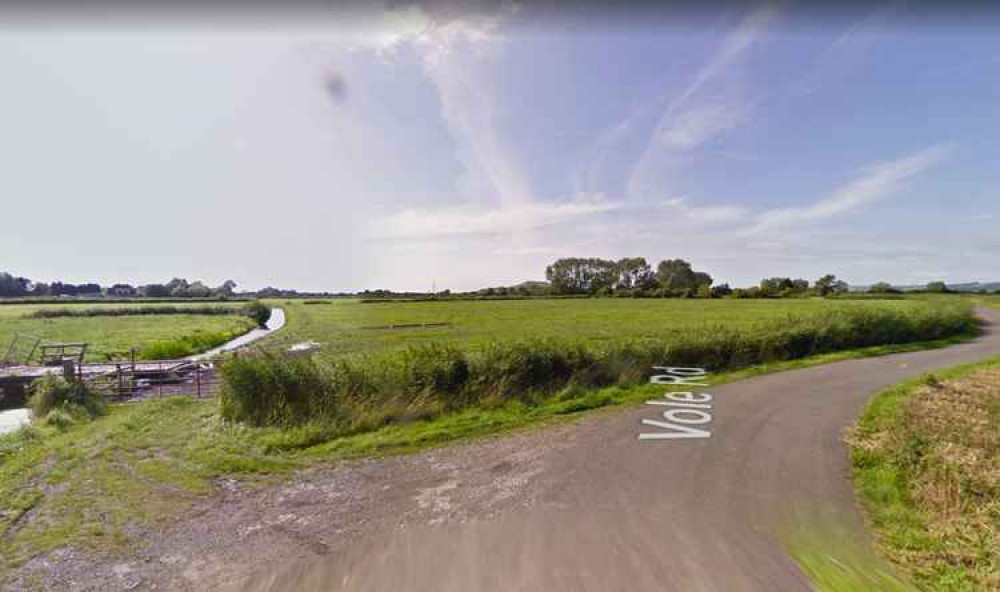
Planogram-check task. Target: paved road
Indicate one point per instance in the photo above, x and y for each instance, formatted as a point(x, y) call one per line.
point(625, 514)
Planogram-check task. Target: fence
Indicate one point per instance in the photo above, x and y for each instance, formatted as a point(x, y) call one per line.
point(141, 380)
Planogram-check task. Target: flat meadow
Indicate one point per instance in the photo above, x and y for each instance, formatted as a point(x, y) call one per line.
point(349, 326)
point(112, 336)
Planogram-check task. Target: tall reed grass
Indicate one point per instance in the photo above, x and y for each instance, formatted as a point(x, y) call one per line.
point(366, 392)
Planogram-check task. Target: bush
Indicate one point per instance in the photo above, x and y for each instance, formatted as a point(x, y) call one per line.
point(258, 311)
point(266, 389)
point(52, 392)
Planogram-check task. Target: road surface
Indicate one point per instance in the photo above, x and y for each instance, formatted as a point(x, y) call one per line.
point(619, 513)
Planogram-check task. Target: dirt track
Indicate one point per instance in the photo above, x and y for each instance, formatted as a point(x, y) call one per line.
point(583, 506)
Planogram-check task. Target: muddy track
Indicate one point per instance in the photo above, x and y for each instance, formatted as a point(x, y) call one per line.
point(581, 506)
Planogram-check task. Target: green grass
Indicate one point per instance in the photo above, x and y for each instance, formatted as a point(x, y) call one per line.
point(347, 326)
point(113, 336)
point(834, 562)
point(925, 454)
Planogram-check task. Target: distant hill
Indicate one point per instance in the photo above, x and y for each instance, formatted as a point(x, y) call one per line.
point(966, 287)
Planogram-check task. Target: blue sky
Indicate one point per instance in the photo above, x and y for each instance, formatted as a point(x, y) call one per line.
point(470, 148)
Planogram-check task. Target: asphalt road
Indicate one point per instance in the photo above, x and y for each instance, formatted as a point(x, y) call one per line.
point(622, 513)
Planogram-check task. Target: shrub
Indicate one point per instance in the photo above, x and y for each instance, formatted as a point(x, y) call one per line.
point(258, 311)
point(53, 392)
point(267, 389)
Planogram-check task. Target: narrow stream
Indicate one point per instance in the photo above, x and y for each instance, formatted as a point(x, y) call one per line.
point(14, 418)
point(274, 323)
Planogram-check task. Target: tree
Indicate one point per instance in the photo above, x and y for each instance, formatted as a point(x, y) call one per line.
point(13, 286)
point(227, 288)
point(575, 275)
point(829, 284)
point(122, 290)
point(881, 288)
point(774, 287)
point(634, 273)
point(178, 287)
point(198, 290)
point(677, 277)
point(155, 291)
point(937, 287)
point(721, 291)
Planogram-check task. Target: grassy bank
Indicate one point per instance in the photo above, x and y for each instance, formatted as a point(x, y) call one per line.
point(362, 393)
point(926, 459)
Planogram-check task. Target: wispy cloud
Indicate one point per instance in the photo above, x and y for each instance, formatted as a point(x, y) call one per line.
point(469, 220)
point(874, 183)
point(695, 116)
point(680, 207)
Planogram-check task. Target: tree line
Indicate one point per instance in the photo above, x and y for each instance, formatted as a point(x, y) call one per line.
point(677, 278)
point(17, 287)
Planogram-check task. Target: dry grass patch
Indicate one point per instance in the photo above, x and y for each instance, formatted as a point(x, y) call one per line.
point(927, 459)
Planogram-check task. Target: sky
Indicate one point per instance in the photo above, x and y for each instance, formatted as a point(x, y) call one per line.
point(412, 145)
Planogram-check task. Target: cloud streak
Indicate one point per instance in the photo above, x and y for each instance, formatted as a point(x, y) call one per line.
point(685, 126)
point(875, 182)
point(471, 220)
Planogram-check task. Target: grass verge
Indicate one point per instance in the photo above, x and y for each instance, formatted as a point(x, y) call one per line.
point(926, 457)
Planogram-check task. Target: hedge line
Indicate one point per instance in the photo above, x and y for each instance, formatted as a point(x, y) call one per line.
point(366, 392)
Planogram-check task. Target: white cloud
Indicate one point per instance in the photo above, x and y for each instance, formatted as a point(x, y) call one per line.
point(691, 213)
point(876, 182)
point(696, 116)
point(468, 220)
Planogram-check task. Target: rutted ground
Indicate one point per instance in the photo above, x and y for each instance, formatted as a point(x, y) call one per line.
point(319, 512)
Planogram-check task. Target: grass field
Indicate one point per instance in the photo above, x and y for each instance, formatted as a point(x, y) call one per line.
point(113, 336)
point(347, 326)
point(927, 468)
point(74, 479)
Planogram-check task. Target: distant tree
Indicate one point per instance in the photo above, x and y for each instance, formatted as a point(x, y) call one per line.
point(800, 286)
point(227, 288)
point(270, 292)
point(154, 291)
point(198, 290)
point(576, 275)
point(122, 290)
point(677, 277)
point(634, 273)
point(937, 287)
point(829, 284)
point(881, 288)
point(721, 291)
point(704, 291)
point(775, 287)
point(40, 289)
point(90, 289)
point(11, 286)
